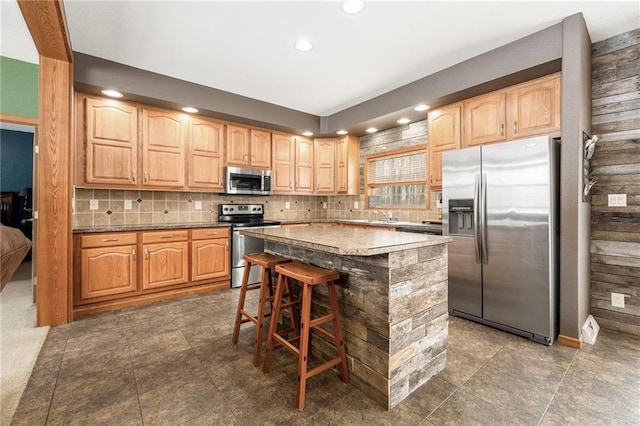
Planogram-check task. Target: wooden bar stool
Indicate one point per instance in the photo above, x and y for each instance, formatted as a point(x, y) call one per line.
point(308, 276)
point(267, 262)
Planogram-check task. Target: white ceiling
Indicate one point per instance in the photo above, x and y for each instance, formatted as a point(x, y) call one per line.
point(247, 47)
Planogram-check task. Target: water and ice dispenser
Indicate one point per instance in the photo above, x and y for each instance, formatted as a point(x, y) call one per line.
point(461, 217)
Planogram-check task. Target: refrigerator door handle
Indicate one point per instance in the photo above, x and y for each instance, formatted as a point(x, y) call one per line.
point(476, 217)
point(483, 210)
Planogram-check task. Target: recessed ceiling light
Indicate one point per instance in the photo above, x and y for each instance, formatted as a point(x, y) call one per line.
point(112, 93)
point(421, 107)
point(352, 6)
point(307, 133)
point(404, 121)
point(303, 45)
point(342, 132)
point(190, 110)
point(372, 130)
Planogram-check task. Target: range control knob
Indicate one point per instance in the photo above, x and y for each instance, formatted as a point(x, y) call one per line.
point(254, 209)
point(225, 209)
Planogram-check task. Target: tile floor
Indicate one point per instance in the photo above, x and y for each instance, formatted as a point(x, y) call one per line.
point(173, 363)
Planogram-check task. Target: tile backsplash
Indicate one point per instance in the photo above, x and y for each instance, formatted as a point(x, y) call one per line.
point(164, 207)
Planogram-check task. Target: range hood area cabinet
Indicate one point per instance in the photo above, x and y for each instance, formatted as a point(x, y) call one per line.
point(248, 147)
point(176, 152)
point(524, 110)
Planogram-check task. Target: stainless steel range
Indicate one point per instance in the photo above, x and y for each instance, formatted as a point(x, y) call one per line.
point(244, 216)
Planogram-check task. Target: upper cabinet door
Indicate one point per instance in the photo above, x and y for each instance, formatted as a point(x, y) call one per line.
point(445, 128)
point(325, 165)
point(283, 148)
point(164, 145)
point(111, 142)
point(348, 165)
point(485, 118)
point(206, 165)
point(534, 108)
point(237, 145)
point(260, 148)
point(304, 165)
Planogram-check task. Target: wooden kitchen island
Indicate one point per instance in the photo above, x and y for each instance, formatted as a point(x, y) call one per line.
point(393, 300)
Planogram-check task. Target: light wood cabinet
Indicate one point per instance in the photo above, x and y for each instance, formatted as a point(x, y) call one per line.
point(524, 110)
point(348, 165)
point(166, 259)
point(110, 151)
point(108, 265)
point(533, 108)
point(325, 165)
point(205, 163)
point(164, 142)
point(119, 269)
point(210, 254)
point(260, 148)
point(445, 134)
point(304, 165)
point(293, 164)
point(485, 119)
point(248, 147)
point(284, 153)
point(444, 128)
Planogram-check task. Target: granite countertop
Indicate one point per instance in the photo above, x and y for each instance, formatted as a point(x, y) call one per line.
point(120, 228)
point(393, 224)
point(346, 241)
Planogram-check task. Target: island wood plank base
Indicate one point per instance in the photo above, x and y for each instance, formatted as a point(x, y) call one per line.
point(393, 306)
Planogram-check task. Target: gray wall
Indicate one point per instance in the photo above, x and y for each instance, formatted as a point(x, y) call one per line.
point(574, 217)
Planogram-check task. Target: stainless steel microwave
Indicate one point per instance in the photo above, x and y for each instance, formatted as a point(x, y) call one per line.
point(242, 180)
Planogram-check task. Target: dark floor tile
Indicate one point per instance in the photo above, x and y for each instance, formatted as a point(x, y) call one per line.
point(120, 410)
point(357, 409)
point(158, 344)
point(88, 342)
point(589, 390)
point(564, 411)
point(97, 323)
point(170, 372)
point(531, 363)
point(622, 374)
point(429, 396)
point(180, 405)
point(513, 392)
point(464, 408)
point(460, 367)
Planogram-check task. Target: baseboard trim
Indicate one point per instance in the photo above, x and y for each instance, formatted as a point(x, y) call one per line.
point(572, 342)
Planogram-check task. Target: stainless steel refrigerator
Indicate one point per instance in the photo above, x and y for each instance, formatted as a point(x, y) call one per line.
point(500, 206)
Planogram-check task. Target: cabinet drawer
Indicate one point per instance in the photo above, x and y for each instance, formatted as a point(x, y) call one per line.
point(209, 233)
point(164, 236)
point(108, 240)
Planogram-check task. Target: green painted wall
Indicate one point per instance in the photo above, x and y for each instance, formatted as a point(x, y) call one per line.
point(18, 87)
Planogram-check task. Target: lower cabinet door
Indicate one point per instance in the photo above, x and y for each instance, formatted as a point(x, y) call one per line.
point(165, 264)
point(107, 271)
point(210, 259)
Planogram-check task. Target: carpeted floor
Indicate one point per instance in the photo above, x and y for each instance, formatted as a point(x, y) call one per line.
point(20, 340)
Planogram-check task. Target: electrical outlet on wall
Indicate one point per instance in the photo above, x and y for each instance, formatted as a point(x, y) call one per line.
point(324, 204)
point(355, 205)
point(617, 200)
point(127, 204)
point(93, 204)
point(287, 205)
point(617, 300)
point(198, 205)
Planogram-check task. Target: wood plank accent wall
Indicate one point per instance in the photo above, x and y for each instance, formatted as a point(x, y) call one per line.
point(615, 231)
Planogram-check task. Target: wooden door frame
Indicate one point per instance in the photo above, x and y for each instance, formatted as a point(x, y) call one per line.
point(46, 22)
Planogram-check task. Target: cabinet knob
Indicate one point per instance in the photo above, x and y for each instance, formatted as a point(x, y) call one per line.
point(502, 129)
point(515, 127)
point(146, 254)
point(133, 255)
point(133, 176)
point(166, 236)
point(146, 176)
point(109, 240)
